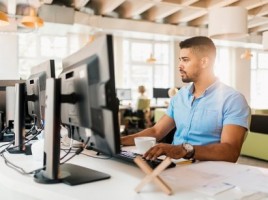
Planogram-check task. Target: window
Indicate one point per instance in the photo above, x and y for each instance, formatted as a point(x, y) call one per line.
point(222, 67)
point(136, 71)
point(259, 81)
point(35, 48)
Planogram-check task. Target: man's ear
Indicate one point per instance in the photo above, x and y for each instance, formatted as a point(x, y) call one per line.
point(205, 62)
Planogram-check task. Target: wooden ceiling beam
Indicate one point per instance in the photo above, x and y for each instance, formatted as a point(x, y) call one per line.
point(131, 8)
point(160, 11)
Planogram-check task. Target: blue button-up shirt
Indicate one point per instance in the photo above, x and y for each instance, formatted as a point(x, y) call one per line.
point(200, 121)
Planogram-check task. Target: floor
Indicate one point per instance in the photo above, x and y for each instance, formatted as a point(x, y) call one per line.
point(252, 161)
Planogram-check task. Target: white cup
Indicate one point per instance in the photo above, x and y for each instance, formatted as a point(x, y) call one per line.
point(143, 144)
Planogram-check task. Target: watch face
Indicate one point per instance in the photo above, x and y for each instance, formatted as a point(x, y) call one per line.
point(188, 147)
point(189, 150)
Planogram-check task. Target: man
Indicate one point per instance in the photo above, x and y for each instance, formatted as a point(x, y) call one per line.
point(211, 119)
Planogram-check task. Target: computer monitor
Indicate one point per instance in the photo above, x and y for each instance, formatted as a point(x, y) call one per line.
point(10, 105)
point(4, 100)
point(36, 87)
point(7, 109)
point(85, 97)
point(123, 94)
point(31, 93)
point(160, 92)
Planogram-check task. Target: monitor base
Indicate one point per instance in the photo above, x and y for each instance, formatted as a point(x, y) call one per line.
point(73, 175)
point(26, 151)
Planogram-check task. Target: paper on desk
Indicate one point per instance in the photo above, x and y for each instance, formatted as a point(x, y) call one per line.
point(256, 196)
point(214, 188)
point(251, 178)
point(215, 177)
point(191, 176)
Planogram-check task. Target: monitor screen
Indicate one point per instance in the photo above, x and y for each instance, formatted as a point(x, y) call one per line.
point(35, 87)
point(160, 92)
point(123, 94)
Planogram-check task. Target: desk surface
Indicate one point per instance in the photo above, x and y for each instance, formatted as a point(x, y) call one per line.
point(152, 107)
point(187, 181)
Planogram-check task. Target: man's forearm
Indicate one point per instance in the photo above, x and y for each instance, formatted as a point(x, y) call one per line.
point(217, 152)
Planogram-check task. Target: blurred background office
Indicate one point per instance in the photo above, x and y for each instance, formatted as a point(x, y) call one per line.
point(146, 37)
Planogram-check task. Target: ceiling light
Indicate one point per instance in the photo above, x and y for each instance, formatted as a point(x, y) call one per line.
point(246, 55)
point(227, 22)
point(3, 19)
point(151, 59)
point(32, 20)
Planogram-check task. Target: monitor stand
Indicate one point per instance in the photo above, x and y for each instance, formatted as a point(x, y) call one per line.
point(7, 135)
point(19, 122)
point(54, 172)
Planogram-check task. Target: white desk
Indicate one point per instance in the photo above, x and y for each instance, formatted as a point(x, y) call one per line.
point(184, 181)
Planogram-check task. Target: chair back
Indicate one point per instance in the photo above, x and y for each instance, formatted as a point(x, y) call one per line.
point(143, 104)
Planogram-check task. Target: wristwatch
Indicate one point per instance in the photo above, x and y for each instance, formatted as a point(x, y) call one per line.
point(189, 151)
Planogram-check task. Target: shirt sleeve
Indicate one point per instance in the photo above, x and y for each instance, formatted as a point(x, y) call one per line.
point(237, 111)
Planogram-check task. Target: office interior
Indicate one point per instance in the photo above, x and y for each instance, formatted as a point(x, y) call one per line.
point(146, 45)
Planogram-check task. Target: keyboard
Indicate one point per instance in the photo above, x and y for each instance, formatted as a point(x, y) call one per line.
point(129, 156)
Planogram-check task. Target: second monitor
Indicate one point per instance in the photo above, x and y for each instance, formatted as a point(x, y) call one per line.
point(84, 100)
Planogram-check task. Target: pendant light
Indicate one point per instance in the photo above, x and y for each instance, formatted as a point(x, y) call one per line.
point(227, 22)
point(246, 55)
point(3, 19)
point(151, 59)
point(32, 20)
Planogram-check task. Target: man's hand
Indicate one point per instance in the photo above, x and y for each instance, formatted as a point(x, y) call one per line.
point(172, 151)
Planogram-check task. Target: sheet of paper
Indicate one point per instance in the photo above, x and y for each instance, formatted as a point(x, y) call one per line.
point(256, 196)
point(213, 178)
point(214, 188)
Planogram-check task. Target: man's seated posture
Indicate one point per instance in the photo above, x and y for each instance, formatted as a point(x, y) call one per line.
point(211, 118)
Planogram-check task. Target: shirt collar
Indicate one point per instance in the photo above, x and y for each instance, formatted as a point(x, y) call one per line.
point(210, 88)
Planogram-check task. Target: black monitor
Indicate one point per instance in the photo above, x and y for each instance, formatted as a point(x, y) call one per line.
point(85, 97)
point(36, 88)
point(160, 92)
point(123, 94)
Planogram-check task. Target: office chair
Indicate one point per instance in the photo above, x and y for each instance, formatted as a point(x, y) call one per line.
point(144, 104)
point(138, 120)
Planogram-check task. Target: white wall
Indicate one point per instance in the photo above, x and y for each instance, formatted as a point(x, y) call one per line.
point(242, 74)
point(9, 57)
point(177, 78)
point(118, 60)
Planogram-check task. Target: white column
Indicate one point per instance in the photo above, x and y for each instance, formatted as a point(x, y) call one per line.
point(9, 69)
point(118, 61)
point(242, 74)
point(177, 78)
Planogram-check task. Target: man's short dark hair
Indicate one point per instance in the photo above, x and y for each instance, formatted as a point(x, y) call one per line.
point(200, 44)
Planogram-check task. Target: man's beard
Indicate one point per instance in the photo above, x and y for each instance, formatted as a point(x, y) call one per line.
point(185, 78)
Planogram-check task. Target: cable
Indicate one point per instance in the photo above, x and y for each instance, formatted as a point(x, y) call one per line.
point(26, 140)
point(8, 145)
point(18, 168)
point(98, 156)
point(77, 152)
point(70, 145)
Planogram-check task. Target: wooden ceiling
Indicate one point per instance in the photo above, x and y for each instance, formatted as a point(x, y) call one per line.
point(179, 13)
